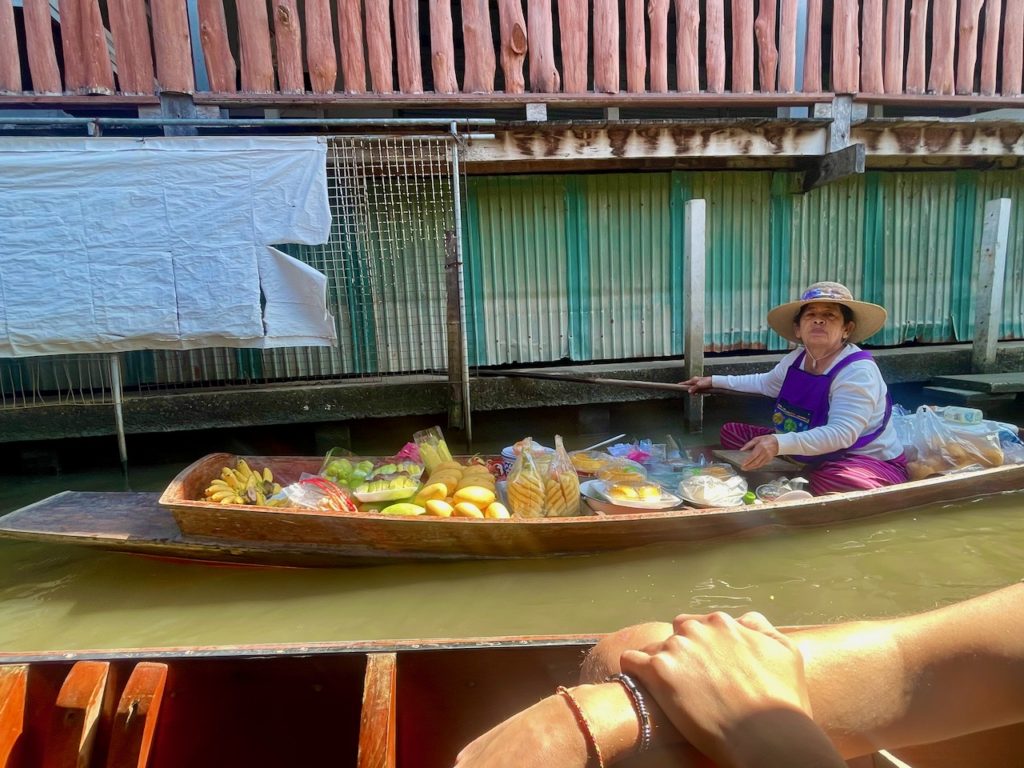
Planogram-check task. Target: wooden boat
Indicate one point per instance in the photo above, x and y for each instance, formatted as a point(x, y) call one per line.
point(174, 525)
point(366, 705)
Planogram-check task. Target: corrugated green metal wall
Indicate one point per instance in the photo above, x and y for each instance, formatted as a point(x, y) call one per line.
point(589, 267)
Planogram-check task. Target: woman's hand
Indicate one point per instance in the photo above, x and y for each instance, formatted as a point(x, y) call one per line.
point(763, 449)
point(735, 689)
point(697, 384)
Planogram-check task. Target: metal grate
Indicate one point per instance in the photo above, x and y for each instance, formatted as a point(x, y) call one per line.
point(392, 202)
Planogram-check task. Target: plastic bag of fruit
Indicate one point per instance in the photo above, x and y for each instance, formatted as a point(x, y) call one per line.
point(561, 484)
point(433, 447)
point(344, 468)
point(315, 492)
point(525, 488)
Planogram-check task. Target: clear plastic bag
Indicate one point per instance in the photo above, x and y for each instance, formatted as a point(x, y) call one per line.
point(561, 485)
point(344, 468)
point(934, 445)
point(525, 488)
point(433, 447)
point(315, 492)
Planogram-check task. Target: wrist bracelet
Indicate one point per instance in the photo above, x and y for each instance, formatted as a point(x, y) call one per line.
point(643, 715)
point(584, 724)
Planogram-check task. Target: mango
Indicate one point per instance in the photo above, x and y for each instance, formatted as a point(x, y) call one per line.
point(475, 494)
point(496, 511)
point(403, 508)
point(439, 508)
point(465, 509)
point(431, 491)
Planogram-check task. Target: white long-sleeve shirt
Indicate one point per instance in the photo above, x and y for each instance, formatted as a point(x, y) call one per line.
point(856, 407)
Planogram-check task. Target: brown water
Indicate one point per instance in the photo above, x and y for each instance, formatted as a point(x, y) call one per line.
point(59, 597)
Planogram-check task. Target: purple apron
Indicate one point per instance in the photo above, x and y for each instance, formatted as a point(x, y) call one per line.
point(804, 399)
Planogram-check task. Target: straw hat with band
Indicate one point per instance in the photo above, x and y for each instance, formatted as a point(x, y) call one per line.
point(868, 318)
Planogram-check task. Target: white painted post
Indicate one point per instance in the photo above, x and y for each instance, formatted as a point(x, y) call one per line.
point(988, 296)
point(693, 321)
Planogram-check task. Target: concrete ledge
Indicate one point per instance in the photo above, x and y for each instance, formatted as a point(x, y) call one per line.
point(343, 401)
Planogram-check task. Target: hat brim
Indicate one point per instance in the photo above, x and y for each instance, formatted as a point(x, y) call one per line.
point(868, 318)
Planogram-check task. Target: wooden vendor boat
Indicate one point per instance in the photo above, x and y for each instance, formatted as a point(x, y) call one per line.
point(364, 705)
point(175, 525)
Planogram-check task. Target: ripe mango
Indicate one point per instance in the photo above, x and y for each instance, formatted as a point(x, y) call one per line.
point(439, 508)
point(475, 494)
point(431, 491)
point(496, 511)
point(465, 509)
point(404, 508)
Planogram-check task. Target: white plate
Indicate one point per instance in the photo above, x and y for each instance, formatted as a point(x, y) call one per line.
point(592, 489)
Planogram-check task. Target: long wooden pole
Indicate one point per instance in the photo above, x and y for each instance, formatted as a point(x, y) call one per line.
point(623, 383)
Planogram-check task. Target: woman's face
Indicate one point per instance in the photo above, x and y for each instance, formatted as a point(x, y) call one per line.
point(821, 326)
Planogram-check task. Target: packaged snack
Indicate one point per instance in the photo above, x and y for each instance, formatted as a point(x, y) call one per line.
point(432, 446)
point(315, 492)
point(344, 468)
point(526, 488)
point(711, 491)
point(622, 469)
point(561, 485)
point(590, 462)
point(935, 445)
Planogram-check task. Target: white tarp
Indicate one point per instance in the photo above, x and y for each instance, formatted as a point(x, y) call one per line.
point(118, 244)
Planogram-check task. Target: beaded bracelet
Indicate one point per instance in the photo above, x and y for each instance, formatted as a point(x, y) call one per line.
point(643, 714)
point(584, 724)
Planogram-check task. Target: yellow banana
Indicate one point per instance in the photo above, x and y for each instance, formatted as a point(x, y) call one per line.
point(242, 467)
point(268, 476)
point(221, 495)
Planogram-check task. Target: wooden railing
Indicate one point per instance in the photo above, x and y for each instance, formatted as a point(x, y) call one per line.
point(507, 50)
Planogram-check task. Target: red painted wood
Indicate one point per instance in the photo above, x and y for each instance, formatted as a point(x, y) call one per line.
point(136, 718)
point(636, 47)
point(657, 12)
point(10, 63)
point(254, 46)
point(378, 46)
point(42, 55)
point(845, 47)
point(442, 47)
point(916, 47)
point(513, 44)
point(743, 46)
point(895, 11)
point(99, 72)
point(940, 77)
point(574, 28)
point(129, 26)
point(687, 46)
point(1013, 47)
point(479, 45)
point(544, 77)
point(606, 46)
point(71, 44)
point(13, 694)
point(787, 46)
point(768, 52)
point(221, 70)
point(75, 721)
point(990, 47)
point(350, 45)
point(172, 46)
point(407, 45)
point(871, 70)
point(967, 45)
point(291, 76)
point(812, 60)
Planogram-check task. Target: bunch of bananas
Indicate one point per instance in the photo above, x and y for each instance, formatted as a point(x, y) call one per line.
point(243, 485)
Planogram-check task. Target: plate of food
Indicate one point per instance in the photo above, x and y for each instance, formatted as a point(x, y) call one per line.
point(632, 494)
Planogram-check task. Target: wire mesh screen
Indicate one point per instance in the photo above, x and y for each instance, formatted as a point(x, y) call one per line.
point(392, 202)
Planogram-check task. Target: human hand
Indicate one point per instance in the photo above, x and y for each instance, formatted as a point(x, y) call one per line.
point(717, 677)
point(697, 383)
point(763, 449)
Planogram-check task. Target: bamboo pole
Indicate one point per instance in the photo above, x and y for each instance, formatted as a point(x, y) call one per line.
point(172, 46)
point(288, 39)
point(350, 45)
point(442, 47)
point(253, 46)
point(378, 45)
point(606, 46)
point(42, 55)
point(476, 35)
point(742, 46)
point(213, 33)
point(990, 48)
point(940, 78)
point(514, 44)
point(970, 13)
point(636, 47)
point(871, 70)
point(657, 12)
point(573, 24)
point(812, 58)
point(544, 76)
point(407, 45)
point(129, 27)
point(894, 32)
point(687, 46)
point(767, 52)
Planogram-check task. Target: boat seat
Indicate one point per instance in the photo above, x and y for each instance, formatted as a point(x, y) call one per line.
point(75, 718)
point(13, 693)
point(135, 719)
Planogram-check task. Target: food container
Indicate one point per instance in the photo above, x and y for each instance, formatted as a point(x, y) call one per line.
point(589, 463)
point(710, 491)
point(618, 470)
point(606, 498)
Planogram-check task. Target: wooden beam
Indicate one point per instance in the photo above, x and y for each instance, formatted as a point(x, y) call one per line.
point(253, 44)
point(687, 46)
point(657, 11)
point(350, 45)
point(988, 296)
point(213, 34)
point(172, 46)
point(132, 47)
point(378, 46)
point(834, 166)
point(377, 726)
point(407, 45)
point(694, 223)
point(10, 64)
point(75, 719)
point(136, 717)
point(476, 38)
point(442, 46)
point(42, 55)
point(574, 29)
point(514, 44)
point(606, 46)
point(291, 77)
point(13, 697)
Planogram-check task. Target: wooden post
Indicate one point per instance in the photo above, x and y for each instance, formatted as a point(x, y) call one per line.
point(172, 46)
point(988, 297)
point(606, 46)
point(767, 51)
point(213, 32)
point(573, 22)
point(970, 13)
point(253, 46)
point(99, 72)
point(543, 73)
point(940, 78)
point(132, 49)
point(657, 11)
point(787, 47)
point(350, 45)
point(687, 45)
point(407, 45)
point(378, 45)
point(514, 43)
point(812, 58)
point(476, 36)
point(990, 48)
point(442, 47)
point(42, 55)
point(693, 322)
point(10, 65)
point(845, 47)
point(871, 70)
point(715, 34)
point(636, 47)
point(377, 722)
point(13, 697)
point(915, 53)
point(894, 26)
point(75, 718)
point(291, 77)
point(1013, 48)
point(743, 46)
point(136, 717)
